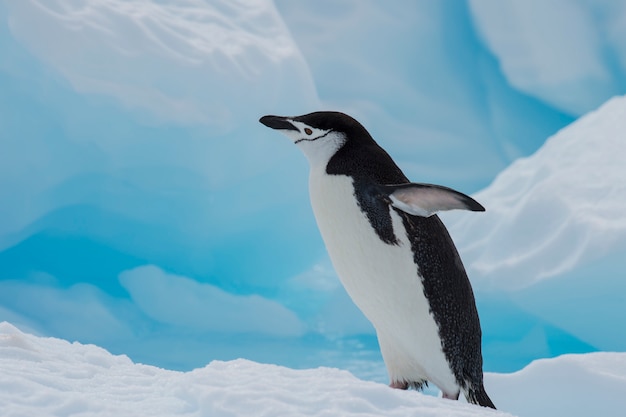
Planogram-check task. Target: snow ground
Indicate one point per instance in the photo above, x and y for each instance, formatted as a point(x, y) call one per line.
point(52, 377)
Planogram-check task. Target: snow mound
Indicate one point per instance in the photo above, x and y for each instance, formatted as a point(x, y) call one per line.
point(555, 210)
point(52, 377)
point(548, 252)
point(570, 385)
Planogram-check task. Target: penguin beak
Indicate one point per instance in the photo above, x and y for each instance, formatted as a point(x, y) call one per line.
point(278, 123)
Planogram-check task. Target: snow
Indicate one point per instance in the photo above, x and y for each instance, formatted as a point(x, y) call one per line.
point(139, 192)
point(552, 239)
point(569, 385)
point(563, 205)
point(52, 377)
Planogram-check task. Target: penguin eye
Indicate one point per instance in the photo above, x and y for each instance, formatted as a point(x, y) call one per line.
point(308, 131)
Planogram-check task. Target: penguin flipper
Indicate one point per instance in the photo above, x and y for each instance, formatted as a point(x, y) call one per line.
point(427, 199)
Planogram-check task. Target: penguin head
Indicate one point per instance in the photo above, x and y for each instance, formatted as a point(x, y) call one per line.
point(320, 134)
point(343, 146)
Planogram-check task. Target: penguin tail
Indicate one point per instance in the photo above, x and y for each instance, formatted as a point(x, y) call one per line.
point(478, 395)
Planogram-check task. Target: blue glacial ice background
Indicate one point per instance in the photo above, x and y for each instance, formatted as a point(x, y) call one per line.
point(143, 208)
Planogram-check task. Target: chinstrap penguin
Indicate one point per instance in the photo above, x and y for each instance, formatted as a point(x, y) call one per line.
point(393, 255)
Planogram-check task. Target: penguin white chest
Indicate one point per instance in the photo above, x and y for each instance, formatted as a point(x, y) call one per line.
point(383, 281)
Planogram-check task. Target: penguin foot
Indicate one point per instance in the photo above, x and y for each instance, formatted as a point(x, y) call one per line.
point(399, 385)
point(450, 396)
point(404, 385)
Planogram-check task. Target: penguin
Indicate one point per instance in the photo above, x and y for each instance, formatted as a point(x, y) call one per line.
point(393, 254)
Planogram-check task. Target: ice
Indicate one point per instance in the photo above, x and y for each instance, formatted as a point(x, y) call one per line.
point(567, 53)
point(183, 302)
point(166, 59)
point(131, 139)
point(407, 70)
point(138, 191)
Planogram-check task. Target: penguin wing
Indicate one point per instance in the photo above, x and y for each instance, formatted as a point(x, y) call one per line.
point(427, 199)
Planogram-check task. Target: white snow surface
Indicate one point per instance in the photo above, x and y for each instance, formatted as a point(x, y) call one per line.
point(553, 236)
point(558, 209)
point(52, 377)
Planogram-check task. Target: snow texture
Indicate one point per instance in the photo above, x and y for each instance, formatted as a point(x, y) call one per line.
point(556, 210)
point(52, 377)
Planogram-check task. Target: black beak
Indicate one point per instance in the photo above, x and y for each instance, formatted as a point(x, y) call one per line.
point(277, 122)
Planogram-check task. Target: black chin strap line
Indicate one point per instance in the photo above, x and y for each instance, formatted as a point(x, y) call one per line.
point(314, 139)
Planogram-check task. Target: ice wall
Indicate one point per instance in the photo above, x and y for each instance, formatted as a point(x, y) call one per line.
point(130, 138)
point(406, 71)
point(143, 208)
point(570, 54)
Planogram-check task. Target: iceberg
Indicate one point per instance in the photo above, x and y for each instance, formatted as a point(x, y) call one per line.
point(568, 54)
point(143, 208)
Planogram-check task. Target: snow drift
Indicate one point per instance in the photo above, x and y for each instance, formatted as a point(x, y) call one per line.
point(52, 377)
point(552, 240)
point(556, 210)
